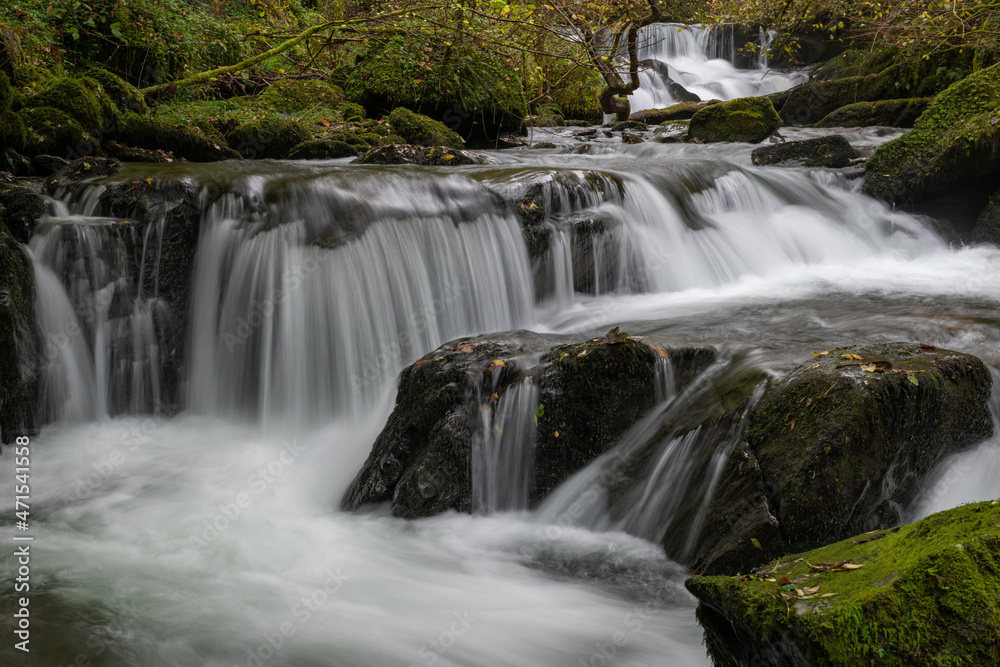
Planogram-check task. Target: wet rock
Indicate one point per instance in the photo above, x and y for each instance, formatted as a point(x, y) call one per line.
point(672, 132)
point(419, 129)
point(546, 120)
point(813, 101)
point(14, 163)
point(154, 135)
point(80, 170)
point(588, 394)
point(117, 151)
point(748, 119)
point(18, 360)
point(987, 229)
point(631, 138)
point(544, 144)
point(682, 111)
point(47, 165)
point(832, 151)
point(272, 138)
point(888, 113)
point(52, 131)
point(926, 593)
point(408, 154)
point(21, 205)
point(841, 445)
point(321, 149)
point(628, 125)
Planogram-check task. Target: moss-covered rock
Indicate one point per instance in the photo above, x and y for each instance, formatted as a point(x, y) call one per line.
point(421, 130)
point(672, 131)
point(6, 94)
point(321, 149)
point(747, 119)
point(292, 95)
point(925, 594)
point(76, 98)
point(542, 120)
point(351, 112)
point(124, 95)
point(13, 132)
point(682, 111)
point(887, 113)
point(955, 141)
point(80, 170)
point(52, 131)
point(150, 134)
point(408, 154)
point(17, 349)
point(844, 442)
point(115, 150)
point(832, 151)
point(14, 163)
point(268, 138)
point(813, 101)
point(621, 126)
point(20, 208)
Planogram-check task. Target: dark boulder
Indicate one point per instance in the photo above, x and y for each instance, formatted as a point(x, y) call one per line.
point(14, 163)
point(21, 205)
point(588, 394)
point(82, 170)
point(624, 125)
point(47, 165)
point(813, 101)
point(747, 119)
point(18, 358)
point(924, 594)
point(987, 229)
point(832, 151)
point(409, 154)
point(54, 132)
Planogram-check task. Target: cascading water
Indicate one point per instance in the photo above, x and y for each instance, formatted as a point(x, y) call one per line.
point(681, 62)
point(202, 538)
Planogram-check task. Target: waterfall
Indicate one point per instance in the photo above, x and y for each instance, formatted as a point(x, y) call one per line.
point(683, 62)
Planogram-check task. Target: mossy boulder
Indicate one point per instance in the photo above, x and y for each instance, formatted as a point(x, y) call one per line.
point(844, 441)
point(927, 593)
point(6, 94)
point(408, 154)
point(321, 149)
point(20, 208)
point(82, 99)
point(150, 134)
point(542, 121)
point(268, 138)
point(956, 141)
point(124, 95)
point(832, 151)
point(681, 111)
point(17, 348)
point(886, 113)
point(52, 131)
point(81, 170)
point(13, 132)
point(292, 95)
point(672, 131)
point(747, 119)
point(421, 130)
point(588, 393)
point(351, 112)
point(813, 101)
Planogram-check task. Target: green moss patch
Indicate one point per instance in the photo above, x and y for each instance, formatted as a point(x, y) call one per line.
point(888, 113)
point(52, 131)
point(957, 139)
point(153, 135)
point(292, 95)
point(124, 95)
point(268, 138)
point(926, 594)
point(72, 96)
point(748, 119)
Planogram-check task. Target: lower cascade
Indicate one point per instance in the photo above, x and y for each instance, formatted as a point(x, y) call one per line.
point(323, 413)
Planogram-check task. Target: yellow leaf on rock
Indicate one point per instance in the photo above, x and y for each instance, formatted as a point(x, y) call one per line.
point(868, 368)
point(852, 357)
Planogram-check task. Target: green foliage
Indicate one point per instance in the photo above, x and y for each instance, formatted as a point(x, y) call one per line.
point(419, 129)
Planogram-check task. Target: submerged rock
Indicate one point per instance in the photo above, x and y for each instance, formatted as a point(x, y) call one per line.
point(408, 154)
point(832, 151)
point(419, 129)
point(747, 119)
point(17, 348)
point(924, 594)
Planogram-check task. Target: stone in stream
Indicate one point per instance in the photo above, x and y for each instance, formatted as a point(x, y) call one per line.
point(927, 593)
point(155, 135)
point(426, 155)
point(747, 119)
point(21, 205)
point(681, 111)
point(589, 393)
point(888, 113)
point(831, 151)
point(840, 446)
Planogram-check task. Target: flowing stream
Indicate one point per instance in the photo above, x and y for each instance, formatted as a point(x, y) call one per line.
point(213, 536)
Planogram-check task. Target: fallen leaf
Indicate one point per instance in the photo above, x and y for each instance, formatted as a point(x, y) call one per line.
point(927, 346)
point(754, 541)
point(497, 363)
point(823, 354)
point(868, 368)
point(149, 181)
point(806, 592)
point(839, 566)
point(913, 380)
point(466, 347)
point(556, 434)
point(853, 357)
